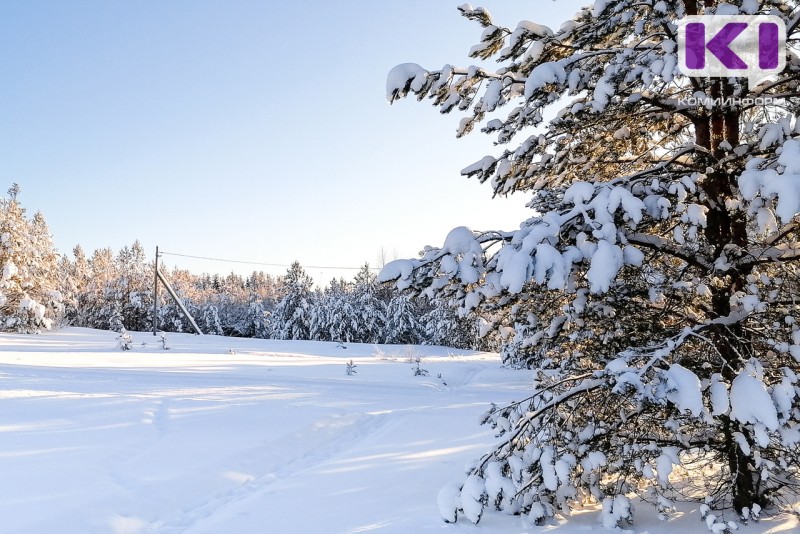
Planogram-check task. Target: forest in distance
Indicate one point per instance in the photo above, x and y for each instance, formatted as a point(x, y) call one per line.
point(42, 289)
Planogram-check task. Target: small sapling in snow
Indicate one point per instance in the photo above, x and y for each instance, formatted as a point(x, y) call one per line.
point(418, 371)
point(350, 368)
point(125, 340)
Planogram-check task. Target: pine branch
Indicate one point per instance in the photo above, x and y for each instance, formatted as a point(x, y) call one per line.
point(663, 246)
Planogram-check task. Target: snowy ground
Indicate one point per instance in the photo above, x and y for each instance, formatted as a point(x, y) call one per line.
point(220, 435)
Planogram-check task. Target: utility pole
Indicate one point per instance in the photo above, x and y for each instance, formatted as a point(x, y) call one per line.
point(178, 301)
point(160, 277)
point(155, 294)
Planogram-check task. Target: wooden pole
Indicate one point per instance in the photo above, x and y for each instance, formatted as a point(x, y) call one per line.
point(155, 295)
point(178, 301)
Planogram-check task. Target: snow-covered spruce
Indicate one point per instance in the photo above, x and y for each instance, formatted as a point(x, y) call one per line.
point(30, 289)
point(291, 318)
point(655, 290)
point(444, 325)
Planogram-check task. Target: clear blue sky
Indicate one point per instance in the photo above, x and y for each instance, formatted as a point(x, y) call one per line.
point(253, 130)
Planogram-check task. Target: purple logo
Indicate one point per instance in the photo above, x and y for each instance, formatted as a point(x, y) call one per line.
point(737, 45)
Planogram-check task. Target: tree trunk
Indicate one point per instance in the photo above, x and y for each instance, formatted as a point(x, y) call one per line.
point(727, 227)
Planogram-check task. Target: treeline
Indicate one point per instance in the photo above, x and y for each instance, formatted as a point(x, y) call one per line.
point(113, 291)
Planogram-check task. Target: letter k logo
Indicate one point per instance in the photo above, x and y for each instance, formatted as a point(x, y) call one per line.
point(719, 45)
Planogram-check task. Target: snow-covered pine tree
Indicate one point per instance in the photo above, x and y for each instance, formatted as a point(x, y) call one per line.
point(104, 296)
point(444, 326)
point(231, 299)
point(402, 321)
point(77, 276)
point(369, 307)
point(256, 322)
point(265, 286)
point(655, 288)
point(291, 317)
point(319, 316)
point(30, 296)
point(209, 321)
point(135, 283)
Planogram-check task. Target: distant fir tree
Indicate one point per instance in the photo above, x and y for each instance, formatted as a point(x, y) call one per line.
point(135, 287)
point(77, 275)
point(30, 289)
point(319, 317)
point(209, 322)
point(104, 295)
point(256, 323)
point(402, 321)
point(444, 325)
point(292, 316)
point(369, 304)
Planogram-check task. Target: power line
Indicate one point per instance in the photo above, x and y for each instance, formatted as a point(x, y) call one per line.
point(263, 263)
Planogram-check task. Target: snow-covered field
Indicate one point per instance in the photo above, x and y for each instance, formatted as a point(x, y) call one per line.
point(220, 435)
